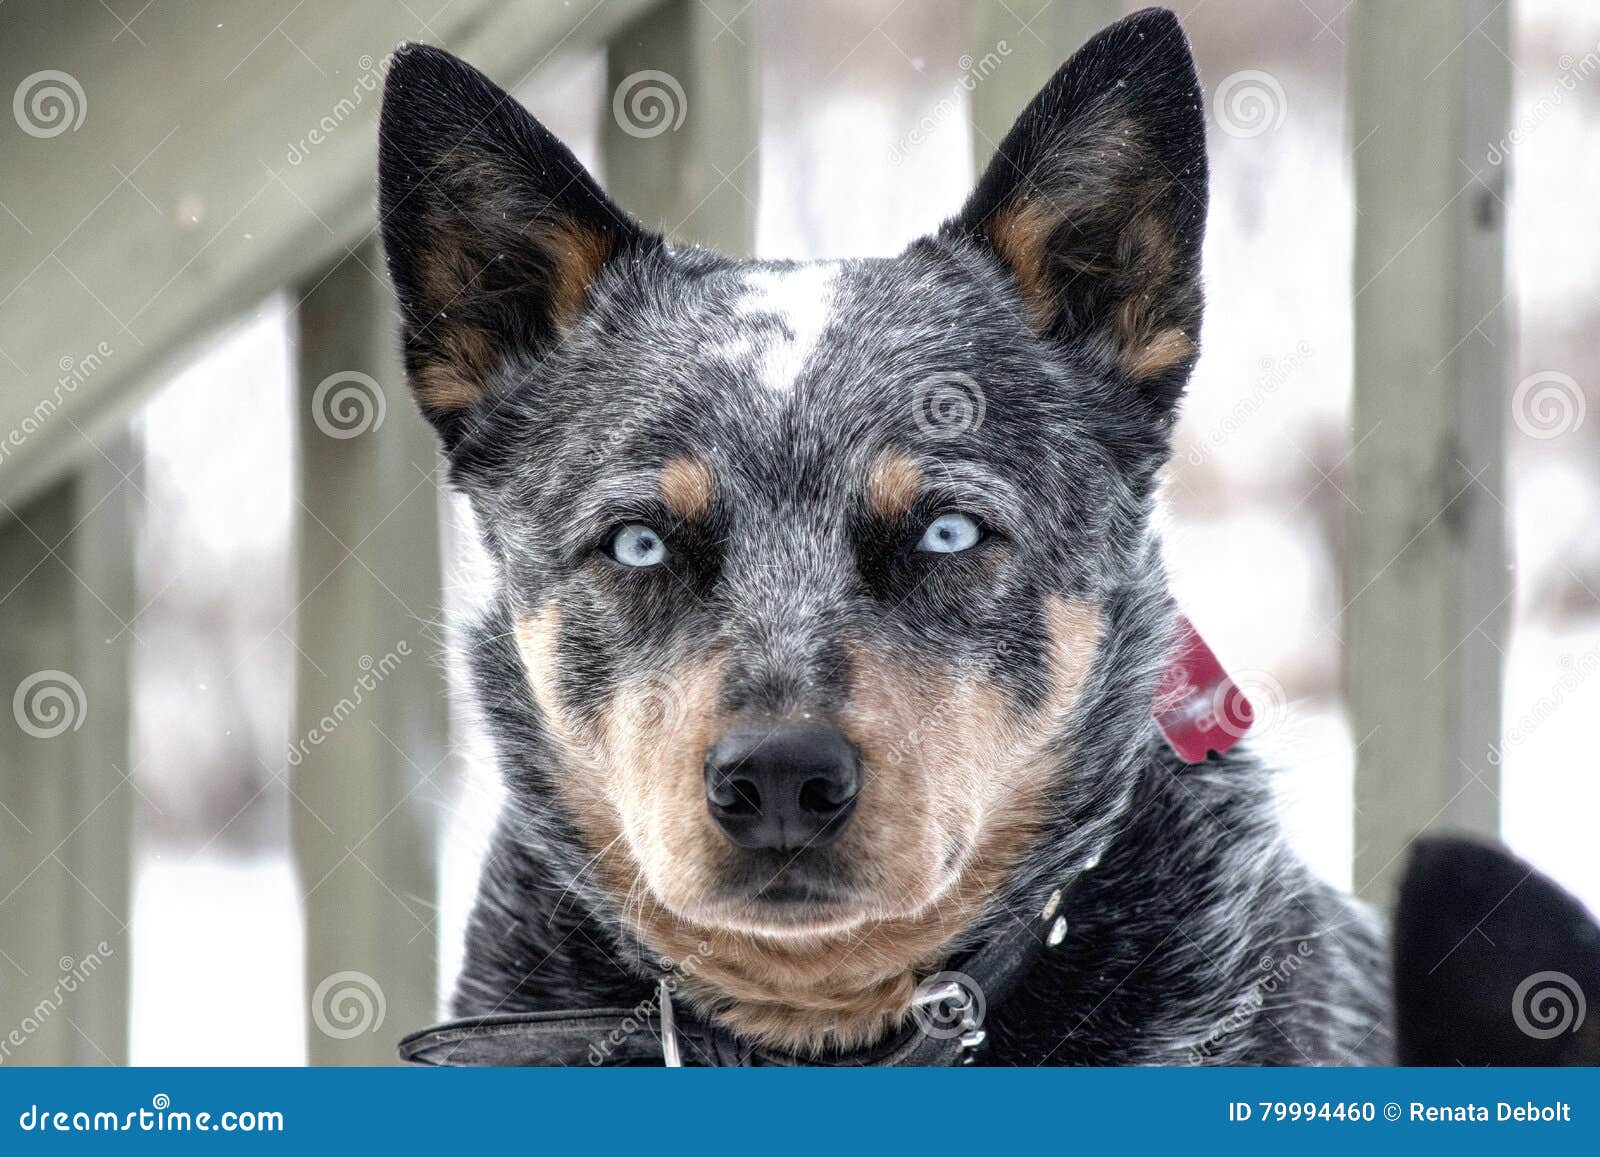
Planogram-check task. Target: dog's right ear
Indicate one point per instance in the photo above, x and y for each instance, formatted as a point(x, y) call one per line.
point(494, 232)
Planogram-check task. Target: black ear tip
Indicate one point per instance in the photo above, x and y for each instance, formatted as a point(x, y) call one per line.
point(1153, 18)
point(1152, 36)
point(418, 70)
point(412, 59)
point(434, 101)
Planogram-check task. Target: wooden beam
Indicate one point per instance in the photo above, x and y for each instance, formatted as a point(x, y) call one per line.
point(1015, 46)
point(682, 119)
point(1428, 592)
point(66, 801)
point(371, 719)
point(219, 156)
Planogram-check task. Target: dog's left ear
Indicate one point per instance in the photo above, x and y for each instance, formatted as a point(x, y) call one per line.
point(1096, 201)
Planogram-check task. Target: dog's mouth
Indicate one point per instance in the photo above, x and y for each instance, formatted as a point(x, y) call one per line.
point(786, 894)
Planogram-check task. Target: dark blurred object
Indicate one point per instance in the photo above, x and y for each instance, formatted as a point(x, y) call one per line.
point(1495, 964)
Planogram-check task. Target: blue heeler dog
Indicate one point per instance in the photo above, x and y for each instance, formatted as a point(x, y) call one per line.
point(830, 616)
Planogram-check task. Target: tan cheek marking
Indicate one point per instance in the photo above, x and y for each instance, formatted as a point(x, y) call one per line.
point(537, 638)
point(1074, 626)
point(686, 487)
point(893, 483)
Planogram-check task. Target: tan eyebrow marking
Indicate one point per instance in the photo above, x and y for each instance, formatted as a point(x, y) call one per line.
point(686, 487)
point(893, 483)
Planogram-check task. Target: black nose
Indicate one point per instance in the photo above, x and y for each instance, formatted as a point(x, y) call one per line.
point(784, 785)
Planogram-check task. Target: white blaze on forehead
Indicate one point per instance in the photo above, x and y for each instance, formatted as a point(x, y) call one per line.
point(801, 299)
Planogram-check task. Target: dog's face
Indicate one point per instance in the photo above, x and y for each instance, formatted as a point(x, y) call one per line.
point(792, 594)
point(806, 563)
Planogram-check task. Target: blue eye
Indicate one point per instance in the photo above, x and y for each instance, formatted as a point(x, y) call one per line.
point(638, 545)
point(950, 533)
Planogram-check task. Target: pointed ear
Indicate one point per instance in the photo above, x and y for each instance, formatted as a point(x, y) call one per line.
point(1493, 963)
point(1096, 201)
point(494, 232)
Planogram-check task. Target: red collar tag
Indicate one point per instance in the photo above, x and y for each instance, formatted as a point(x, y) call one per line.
point(1199, 708)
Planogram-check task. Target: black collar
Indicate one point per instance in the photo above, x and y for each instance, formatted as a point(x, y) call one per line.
point(945, 1026)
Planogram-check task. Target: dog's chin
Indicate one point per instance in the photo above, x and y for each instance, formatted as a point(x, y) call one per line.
point(788, 912)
